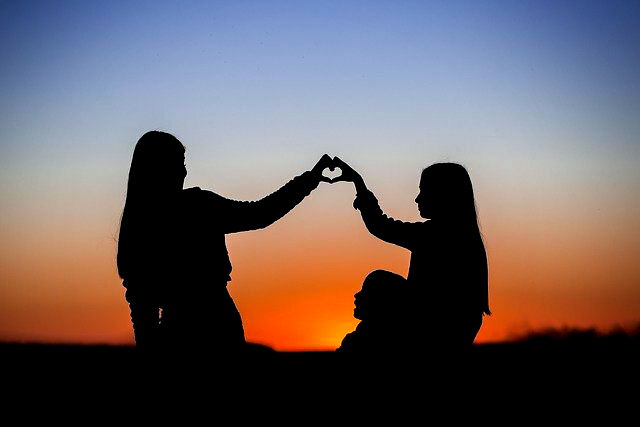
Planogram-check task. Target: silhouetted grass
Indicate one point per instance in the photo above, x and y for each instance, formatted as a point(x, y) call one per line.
point(572, 336)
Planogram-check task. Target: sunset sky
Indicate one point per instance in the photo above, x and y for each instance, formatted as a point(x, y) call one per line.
point(539, 100)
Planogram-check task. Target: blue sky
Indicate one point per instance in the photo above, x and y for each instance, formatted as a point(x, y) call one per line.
point(529, 83)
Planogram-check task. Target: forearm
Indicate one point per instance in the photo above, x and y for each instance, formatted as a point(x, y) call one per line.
point(380, 225)
point(266, 211)
point(280, 202)
point(359, 184)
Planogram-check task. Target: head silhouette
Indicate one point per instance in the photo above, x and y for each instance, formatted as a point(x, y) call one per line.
point(380, 297)
point(157, 165)
point(157, 172)
point(446, 193)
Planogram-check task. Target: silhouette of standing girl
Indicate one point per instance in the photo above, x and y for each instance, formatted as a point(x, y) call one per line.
point(172, 254)
point(448, 276)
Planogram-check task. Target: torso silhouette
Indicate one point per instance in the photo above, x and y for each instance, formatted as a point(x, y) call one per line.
point(447, 295)
point(189, 266)
point(381, 337)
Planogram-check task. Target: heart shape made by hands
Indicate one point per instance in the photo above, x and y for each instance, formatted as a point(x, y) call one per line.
point(332, 175)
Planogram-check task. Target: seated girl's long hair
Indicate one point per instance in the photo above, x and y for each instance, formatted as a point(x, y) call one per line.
point(452, 201)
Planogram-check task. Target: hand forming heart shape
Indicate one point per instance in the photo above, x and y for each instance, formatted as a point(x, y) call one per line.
point(333, 174)
point(346, 173)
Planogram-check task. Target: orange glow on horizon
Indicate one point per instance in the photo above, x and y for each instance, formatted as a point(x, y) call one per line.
point(294, 281)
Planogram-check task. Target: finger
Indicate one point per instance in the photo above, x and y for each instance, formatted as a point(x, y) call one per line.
point(325, 179)
point(323, 163)
point(327, 160)
point(338, 162)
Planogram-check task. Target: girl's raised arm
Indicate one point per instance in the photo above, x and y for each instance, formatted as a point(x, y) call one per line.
point(380, 225)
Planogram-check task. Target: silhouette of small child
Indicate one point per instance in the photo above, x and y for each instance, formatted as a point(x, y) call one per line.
point(379, 306)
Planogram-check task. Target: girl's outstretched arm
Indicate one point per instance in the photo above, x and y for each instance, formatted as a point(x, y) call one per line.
point(252, 215)
point(380, 225)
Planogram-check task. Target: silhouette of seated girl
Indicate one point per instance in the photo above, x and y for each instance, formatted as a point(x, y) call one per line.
point(380, 307)
point(172, 254)
point(447, 283)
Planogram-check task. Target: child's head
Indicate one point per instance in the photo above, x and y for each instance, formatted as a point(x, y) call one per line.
point(381, 296)
point(446, 193)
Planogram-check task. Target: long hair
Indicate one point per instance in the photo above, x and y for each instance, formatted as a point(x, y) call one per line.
point(156, 170)
point(451, 196)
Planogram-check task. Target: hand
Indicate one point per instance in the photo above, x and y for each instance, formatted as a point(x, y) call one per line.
point(348, 173)
point(324, 162)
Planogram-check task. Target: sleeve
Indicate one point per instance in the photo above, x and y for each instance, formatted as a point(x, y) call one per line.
point(390, 230)
point(236, 216)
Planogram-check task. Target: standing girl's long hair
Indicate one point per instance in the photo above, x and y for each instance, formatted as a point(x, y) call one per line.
point(157, 171)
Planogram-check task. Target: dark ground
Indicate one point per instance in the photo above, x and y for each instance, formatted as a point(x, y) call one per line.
point(537, 358)
point(545, 377)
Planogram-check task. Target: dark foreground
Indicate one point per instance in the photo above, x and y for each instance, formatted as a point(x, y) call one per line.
point(595, 362)
point(538, 379)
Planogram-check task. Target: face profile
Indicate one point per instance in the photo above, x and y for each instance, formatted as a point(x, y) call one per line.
point(175, 170)
point(364, 302)
point(446, 193)
point(380, 306)
point(422, 202)
point(379, 296)
point(181, 172)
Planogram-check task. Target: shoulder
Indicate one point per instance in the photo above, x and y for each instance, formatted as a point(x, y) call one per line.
point(204, 200)
point(349, 343)
point(196, 194)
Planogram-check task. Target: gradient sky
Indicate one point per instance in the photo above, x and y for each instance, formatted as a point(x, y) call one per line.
point(539, 100)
